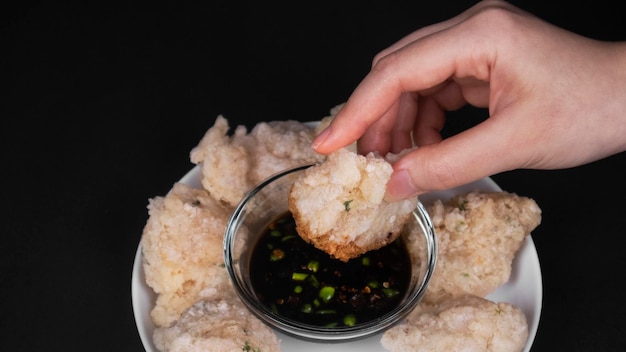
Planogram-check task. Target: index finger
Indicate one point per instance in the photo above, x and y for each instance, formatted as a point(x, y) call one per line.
point(420, 65)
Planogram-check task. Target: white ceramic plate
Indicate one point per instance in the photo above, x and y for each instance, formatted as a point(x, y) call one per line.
point(524, 288)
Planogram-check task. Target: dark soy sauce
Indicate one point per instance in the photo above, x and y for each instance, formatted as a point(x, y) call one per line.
point(300, 282)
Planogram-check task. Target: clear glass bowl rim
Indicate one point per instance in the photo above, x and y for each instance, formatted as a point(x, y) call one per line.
point(317, 333)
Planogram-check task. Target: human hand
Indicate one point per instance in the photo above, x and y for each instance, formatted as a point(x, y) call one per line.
point(555, 99)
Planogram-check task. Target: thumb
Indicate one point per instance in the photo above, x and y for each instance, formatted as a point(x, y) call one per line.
point(468, 156)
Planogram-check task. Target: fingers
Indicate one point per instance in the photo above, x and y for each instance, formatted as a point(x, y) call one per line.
point(460, 159)
point(429, 123)
point(420, 61)
point(392, 132)
point(378, 137)
point(431, 115)
point(436, 167)
point(401, 134)
point(416, 67)
point(374, 99)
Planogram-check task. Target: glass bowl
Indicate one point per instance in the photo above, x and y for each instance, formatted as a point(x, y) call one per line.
point(267, 202)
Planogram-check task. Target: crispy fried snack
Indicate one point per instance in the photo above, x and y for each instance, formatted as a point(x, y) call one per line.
point(464, 323)
point(219, 326)
point(182, 250)
point(478, 235)
point(338, 205)
point(232, 165)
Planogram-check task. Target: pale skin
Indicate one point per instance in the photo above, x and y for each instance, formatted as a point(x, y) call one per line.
point(555, 100)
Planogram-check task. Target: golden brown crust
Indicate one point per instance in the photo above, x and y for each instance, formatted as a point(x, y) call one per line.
point(348, 250)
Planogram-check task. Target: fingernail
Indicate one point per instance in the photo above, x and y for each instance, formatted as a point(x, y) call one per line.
point(319, 140)
point(400, 186)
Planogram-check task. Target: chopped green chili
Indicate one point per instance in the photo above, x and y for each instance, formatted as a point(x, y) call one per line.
point(307, 308)
point(299, 276)
point(313, 265)
point(297, 281)
point(349, 320)
point(373, 284)
point(389, 292)
point(327, 293)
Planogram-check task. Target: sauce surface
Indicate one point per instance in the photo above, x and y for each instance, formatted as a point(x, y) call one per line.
point(300, 282)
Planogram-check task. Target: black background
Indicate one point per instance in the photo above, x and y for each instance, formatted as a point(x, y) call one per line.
point(102, 103)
